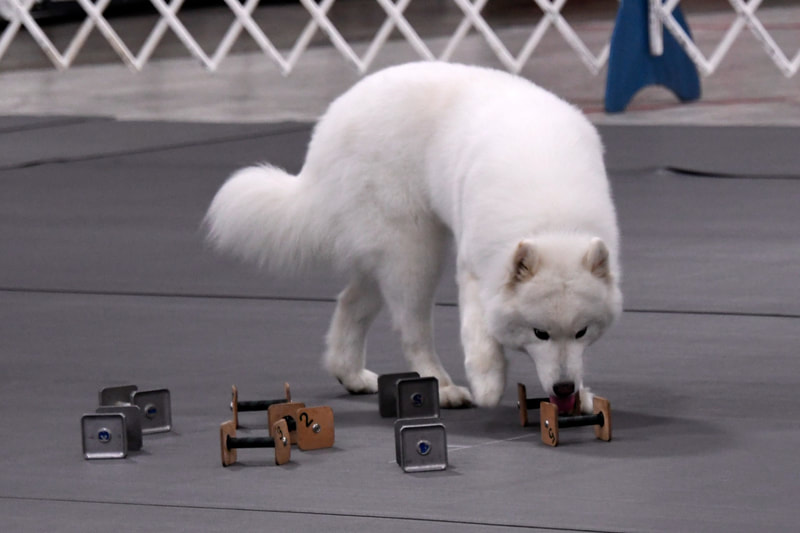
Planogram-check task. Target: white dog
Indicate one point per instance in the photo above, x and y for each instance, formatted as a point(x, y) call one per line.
point(419, 156)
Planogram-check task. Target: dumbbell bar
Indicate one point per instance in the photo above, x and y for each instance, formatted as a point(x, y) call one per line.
point(229, 442)
point(255, 405)
point(155, 405)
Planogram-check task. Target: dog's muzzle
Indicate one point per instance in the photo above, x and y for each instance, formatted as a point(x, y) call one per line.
point(564, 397)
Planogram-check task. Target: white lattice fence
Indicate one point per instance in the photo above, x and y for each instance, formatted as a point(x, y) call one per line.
point(19, 14)
point(662, 13)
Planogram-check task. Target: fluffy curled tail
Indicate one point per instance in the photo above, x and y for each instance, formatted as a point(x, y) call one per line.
point(261, 214)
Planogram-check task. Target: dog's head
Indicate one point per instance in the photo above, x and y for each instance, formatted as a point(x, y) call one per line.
point(560, 294)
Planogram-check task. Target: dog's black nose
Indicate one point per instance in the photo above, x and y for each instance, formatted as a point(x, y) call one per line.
point(564, 389)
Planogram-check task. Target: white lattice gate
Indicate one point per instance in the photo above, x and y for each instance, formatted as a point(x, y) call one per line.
point(18, 13)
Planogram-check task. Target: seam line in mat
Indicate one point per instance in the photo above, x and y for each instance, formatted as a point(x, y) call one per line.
point(55, 122)
point(201, 296)
point(146, 294)
point(710, 174)
point(312, 513)
point(154, 149)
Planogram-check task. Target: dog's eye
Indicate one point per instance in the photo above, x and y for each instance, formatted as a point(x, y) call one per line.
point(541, 335)
point(581, 333)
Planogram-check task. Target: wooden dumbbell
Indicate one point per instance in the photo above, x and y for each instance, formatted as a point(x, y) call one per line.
point(255, 405)
point(550, 422)
point(229, 442)
point(311, 428)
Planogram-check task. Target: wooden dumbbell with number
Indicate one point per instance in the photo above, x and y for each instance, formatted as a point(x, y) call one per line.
point(255, 405)
point(550, 421)
point(229, 442)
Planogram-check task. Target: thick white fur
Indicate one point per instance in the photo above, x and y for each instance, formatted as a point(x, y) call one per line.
point(419, 156)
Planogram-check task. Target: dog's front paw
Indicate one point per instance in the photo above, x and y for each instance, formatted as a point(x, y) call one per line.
point(587, 400)
point(363, 382)
point(487, 392)
point(453, 396)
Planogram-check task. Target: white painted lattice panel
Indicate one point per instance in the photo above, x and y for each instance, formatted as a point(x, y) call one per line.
point(18, 12)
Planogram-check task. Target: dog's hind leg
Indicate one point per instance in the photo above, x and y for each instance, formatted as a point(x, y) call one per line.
point(345, 357)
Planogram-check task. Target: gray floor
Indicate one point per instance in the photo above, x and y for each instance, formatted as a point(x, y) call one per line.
point(104, 279)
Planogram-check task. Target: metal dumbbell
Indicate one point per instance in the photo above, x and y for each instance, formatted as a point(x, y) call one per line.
point(155, 405)
point(420, 436)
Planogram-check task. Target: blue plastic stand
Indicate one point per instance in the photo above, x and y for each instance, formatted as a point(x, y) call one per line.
point(631, 66)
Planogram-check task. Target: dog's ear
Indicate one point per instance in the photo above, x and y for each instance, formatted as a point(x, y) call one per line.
point(526, 262)
point(596, 259)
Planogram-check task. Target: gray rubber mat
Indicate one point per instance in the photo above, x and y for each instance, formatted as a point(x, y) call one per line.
point(109, 220)
point(703, 436)
point(105, 280)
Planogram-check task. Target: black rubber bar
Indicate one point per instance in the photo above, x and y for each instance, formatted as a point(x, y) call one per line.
point(581, 420)
point(249, 442)
point(533, 403)
point(258, 405)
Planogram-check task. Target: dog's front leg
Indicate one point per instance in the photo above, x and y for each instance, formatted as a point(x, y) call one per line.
point(484, 359)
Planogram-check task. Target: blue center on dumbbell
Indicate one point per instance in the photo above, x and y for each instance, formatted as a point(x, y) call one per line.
point(417, 399)
point(150, 411)
point(104, 435)
point(423, 447)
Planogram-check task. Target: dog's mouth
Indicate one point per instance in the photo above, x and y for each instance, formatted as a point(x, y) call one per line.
point(565, 398)
point(566, 406)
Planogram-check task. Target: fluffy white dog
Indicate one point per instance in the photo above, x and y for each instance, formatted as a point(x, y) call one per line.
point(418, 157)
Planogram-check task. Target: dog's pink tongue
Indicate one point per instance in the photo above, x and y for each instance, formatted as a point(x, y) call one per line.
point(565, 405)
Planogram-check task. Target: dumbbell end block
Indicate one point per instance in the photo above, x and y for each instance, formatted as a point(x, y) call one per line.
point(420, 444)
point(283, 446)
point(227, 429)
point(417, 397)
point(522, 404)
point(104, 436)
point(603, 407)
point(314, 428)
point(279, 411)
point(235, 405)
point(387, 392)
point(118, 395)
point(156, 408)
point(548, 423)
